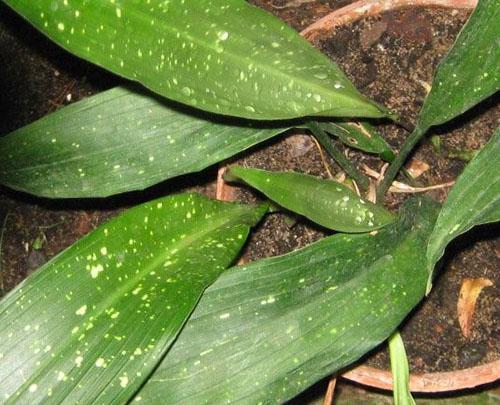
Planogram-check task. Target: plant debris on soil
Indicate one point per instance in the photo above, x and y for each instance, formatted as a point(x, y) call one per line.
point(390, 58)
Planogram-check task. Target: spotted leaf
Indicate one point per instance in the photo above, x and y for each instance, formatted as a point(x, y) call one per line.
point(266, 331)
point(471, 70)
point(325, 202)
point(225, 57)
point(91, 325)
point(132, 137)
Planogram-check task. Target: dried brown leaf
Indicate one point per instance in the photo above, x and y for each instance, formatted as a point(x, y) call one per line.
point(469, 292)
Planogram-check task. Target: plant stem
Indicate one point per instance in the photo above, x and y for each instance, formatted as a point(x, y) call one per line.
point(338, 156)
point(396, 164)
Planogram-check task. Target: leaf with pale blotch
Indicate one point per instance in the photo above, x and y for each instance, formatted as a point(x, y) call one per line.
point(360, 135)
point(473, 200)
point(227, 57)
point(266, 331)
point(117, 141)
point(91, 325)
point(325, 202)
point(466, 305)
point(471, 70)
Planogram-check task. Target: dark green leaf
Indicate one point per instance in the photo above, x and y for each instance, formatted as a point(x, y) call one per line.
point(468, 74)
point(360, 135)
point(471, 70)
point(400, 371)
point(268, 330)
point(225, 57)
point(473, 200)
point(90, 325)
point(325, 202)
point(117, 141)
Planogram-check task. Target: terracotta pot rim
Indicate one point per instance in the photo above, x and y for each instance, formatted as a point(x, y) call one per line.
point(366, 8)
point(366, 375)
point(442, 381)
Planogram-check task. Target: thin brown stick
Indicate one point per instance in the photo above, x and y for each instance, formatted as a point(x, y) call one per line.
point(322, 155)
point(330, 392)
point(366, 8)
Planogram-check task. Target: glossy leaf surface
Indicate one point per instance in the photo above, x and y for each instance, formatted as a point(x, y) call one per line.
point(325, 202)
point(268, 330)
point(471, 70)
point(117, 141)
point(473, 200)
point(360, 135)
point(91, 324)
point(225, 57)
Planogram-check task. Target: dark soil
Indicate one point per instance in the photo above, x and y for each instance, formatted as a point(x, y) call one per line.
point(391, 58)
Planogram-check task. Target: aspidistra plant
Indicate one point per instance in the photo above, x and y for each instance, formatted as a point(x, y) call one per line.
point(116, 317)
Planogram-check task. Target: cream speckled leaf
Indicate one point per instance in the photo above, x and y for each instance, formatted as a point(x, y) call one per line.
point(471, 70)
point(264, 332)
point(120, 140)
point(90, 325)
point(326, 202)
point(227, 57)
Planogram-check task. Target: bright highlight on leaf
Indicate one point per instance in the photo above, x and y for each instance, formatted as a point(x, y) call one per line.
point(225, 57)
point(117, 141)
point(91, 325)
point(325, 202)
point(268, 330)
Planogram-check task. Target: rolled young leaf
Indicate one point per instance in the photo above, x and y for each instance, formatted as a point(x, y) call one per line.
point(268, 330)
point(120, 140)
point(91, 324)
point(325, 202)
point(473, 200)
point(400, 371)
point(360, 135)
point(229, 58)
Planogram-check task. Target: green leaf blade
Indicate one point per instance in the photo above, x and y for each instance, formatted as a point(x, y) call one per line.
point(360, 135)
point(400, 371)
point(268, 330)
point(200, 54)
point(92, 323)
point(473, 200)
point(470, 72)
point(325, 202)
point(132, 137)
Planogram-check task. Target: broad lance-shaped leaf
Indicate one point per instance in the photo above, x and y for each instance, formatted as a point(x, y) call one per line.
point(360, 135)
point(467, 75)
point(227, 57)
point(471, 70)
point(325, 202)
point(91, 325)
point(118, 141)
point(268, 330)
point(473, 200)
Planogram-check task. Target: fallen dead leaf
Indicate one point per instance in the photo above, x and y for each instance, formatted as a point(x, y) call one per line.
point(416, 168)
point(469, 292)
